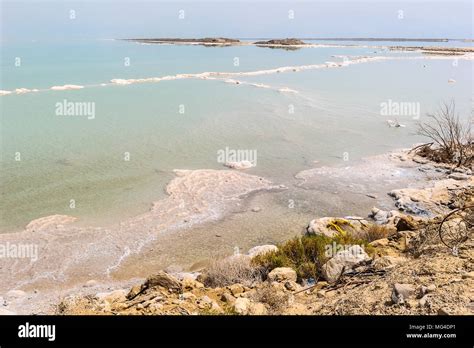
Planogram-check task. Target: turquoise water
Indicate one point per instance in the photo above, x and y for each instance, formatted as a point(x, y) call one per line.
point(335, 115)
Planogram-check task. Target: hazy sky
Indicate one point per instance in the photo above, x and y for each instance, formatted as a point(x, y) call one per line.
point(50, 20)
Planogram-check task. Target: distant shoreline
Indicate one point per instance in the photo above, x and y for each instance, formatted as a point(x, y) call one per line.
point(293, 43)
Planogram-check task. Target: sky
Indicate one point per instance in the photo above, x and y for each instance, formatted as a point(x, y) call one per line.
point(23, 20)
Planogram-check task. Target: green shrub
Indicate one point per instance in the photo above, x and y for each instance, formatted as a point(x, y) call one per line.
point(305, 254)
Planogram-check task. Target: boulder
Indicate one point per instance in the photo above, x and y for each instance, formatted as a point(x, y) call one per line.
point(261, 249)
point(380, 216)
point(330, 226)
point(134, 291)
point(164, 280)
point(257, 309)
point(402, 292)
point(228, 298)
point(282, 274)
point(236, 289)
point(241, 305)
point(343, 261)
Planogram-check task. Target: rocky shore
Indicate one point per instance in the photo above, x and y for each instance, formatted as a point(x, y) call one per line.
point(393, 262)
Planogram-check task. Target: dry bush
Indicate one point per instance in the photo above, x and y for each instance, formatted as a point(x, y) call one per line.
point(376, 232)
point(450, 231)
point(275, 300)
point(452, 140)
point(231, 270)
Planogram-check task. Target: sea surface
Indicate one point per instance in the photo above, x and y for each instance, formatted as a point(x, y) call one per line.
point(105, 168)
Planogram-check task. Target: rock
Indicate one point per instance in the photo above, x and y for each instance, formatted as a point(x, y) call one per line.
point(90, 283)
point(459, 176)
point(134, 291)
point(112, 297)
point(165, 280)
point(298, 309)
point(239, 165)
point(241, 305)
point(190, 284)
point(424, 301)
point(291, 286)
point(427, 289)
point(387, 262)
point(412, 303)
point(380, 242)
point(15, 294)
point(443, 311)
point(380, 216)
point(257, 309)
point(256, 209)
point(406, 223)
point(206, 299)
point(402, 292)
point(236, 289)
point(261, 249)
point(228, 298)
point(281, 274)
point(4, 311)
point(469, 275)
point(321, 293)
point(344, 260)
point(187, 296)
point(326, 226)
point(215, 308)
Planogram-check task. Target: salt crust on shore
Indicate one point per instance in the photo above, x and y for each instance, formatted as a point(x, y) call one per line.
point(68, 252)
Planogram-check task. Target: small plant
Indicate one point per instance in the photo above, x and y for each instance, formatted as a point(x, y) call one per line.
point(375, 232)
point(275, 300)
point(231, 270)
point(305, 254)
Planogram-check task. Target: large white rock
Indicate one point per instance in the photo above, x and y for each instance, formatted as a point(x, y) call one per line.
point(322, 226)
point(242, 305)
point(280, 274)
point(344, 260)
point(261, 249)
